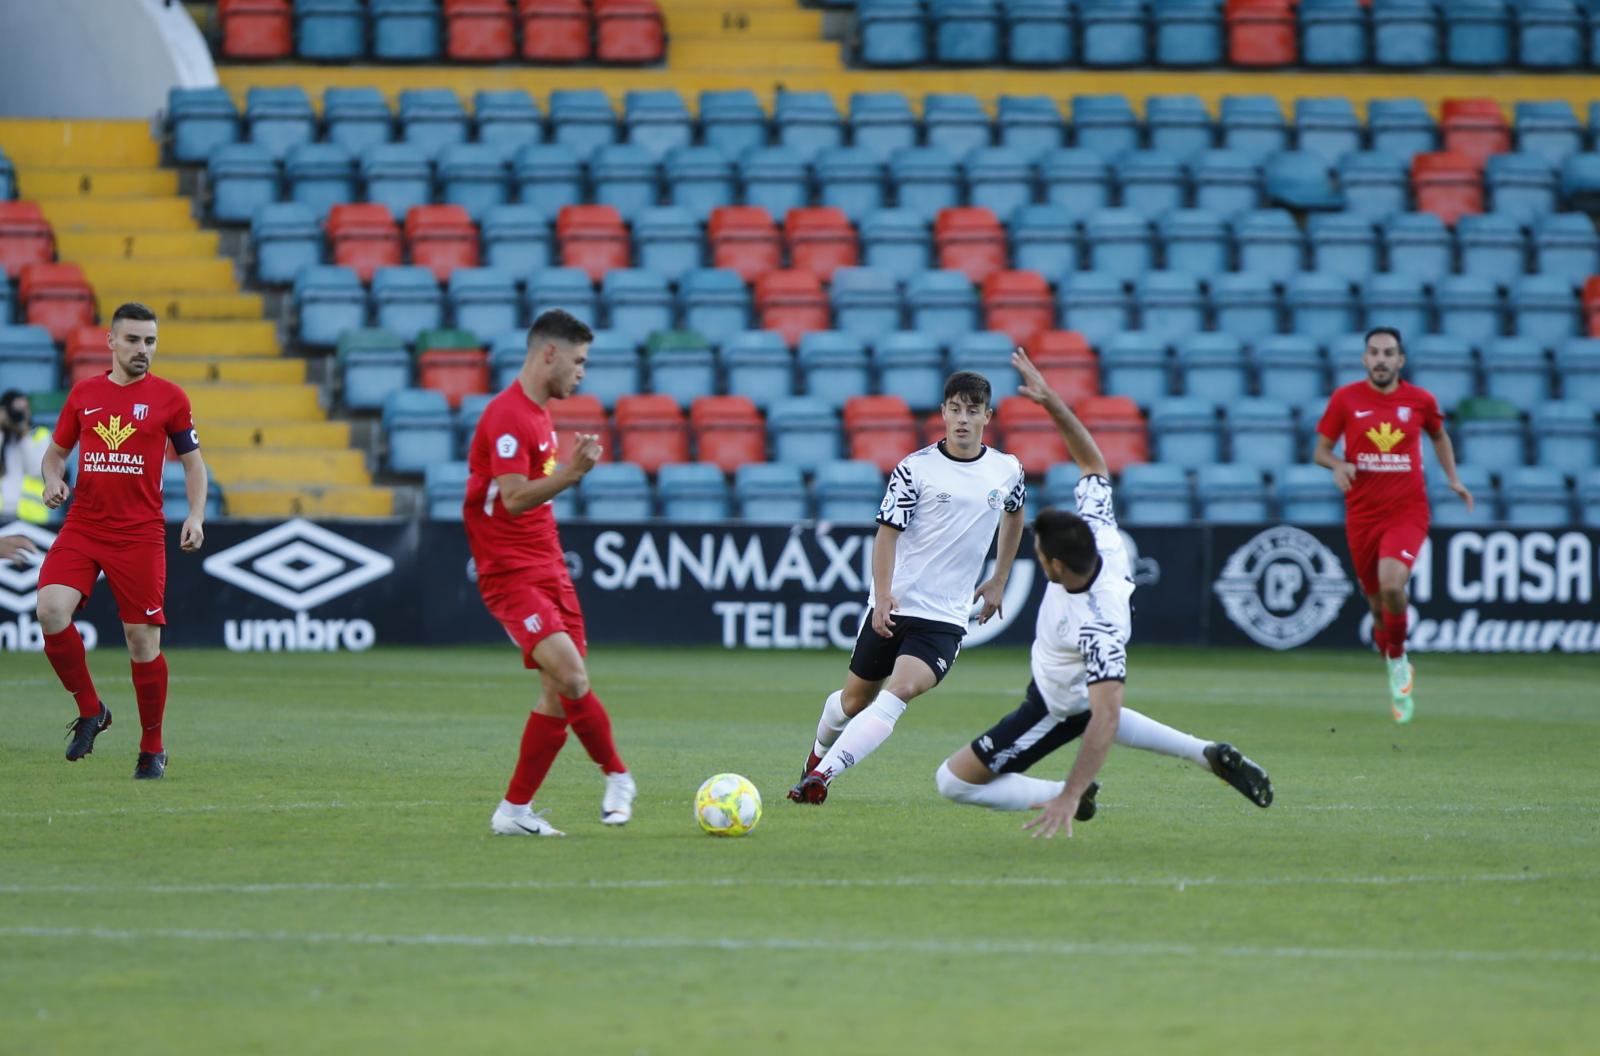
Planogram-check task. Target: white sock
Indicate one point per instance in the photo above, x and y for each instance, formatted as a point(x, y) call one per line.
point(1005, 792)
point(1140, 731)
point(831, 724)
point(864, 734)
point(513, 809)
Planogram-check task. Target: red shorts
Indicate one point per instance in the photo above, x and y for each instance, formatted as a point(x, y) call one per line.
point(1369, 543)
point(137, 571)
point(532, 604)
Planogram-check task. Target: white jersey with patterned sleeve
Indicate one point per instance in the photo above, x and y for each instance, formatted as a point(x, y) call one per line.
point(947, 509)
point(1082, 636)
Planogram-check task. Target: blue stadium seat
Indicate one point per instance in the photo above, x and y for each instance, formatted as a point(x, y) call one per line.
point(848, 492)
point(467, 415)
point(320, 175)
point(699, 179)
point(1076, 182)
point(1194, 241)
point(566, 288)
point(1308, 496)
point(432, 119)
point(1327, 127)
point(1520, 185)
point(1151, 181)
point(1301, 180)
point(956, 122)
point(516, 238)
point(1260, 432)
point(407, 300)
point(1376, 184)
point(1565, 436)
point(682, 366)
point(1170, 303)
point(1044, 240)
point(892, 32)
point(202, 119)
point(775, 178)
point(910, 365)
point(1565, 245)
point(444, 490)
point(404, 30)
point(1405, 33)
point(175, 499)
point(279, 118)
point(242, 178)
point(1443, 365)
point(1419, 245)
point(1448, 511)
point(582, 120)
point(1245, 304)
point(808, 123)
point(1154, 493)
point(1492, 247)
point(1345, 353)
point(834, 366)
point(284, 237)
point(1187, 33)
point(1401, 127)
point(759, 365)
point(925, 180)
point(1396, 299)
point(1105, 124)
point(507, 352)
point(1231, 494)
point(357, 118)
point(1213, 367)
point(771, 491)
point(896, 241)
point(548, 176)
point(1477, 33)
point(372, 364)
point(1494, 437)
point(1319, 303)
point(805, 432)
point(881, 123)
point(327, 302)
point(626, 177)
point(1030, 123)
point(28, 359)
point(987, 352)
point(616, 491)
point(1343, 244)
point(473, 176)
point(1290, 367)
point(1588, 494)
point(865, 302)
point(657, 120)
point(1227, 181)
point(666, 241)
point(1536, 497)
point(692, 492)
point(1119, 243)
point(1550, 33)
point(1253, 124)
point(1060, 480)
point(942, 302)
point(1515, 369)
point(1578, 368)
point(6, 314)
point(1040, 32)
point(419, 429)
point(613, 370)
point(1185, 432)
point(1269, 242)
point(732, 121)
point(397, 175)
point(1136, 365)
point(1544, 309)
point(1307, 415)
point(1468, 307)
point(715, 303)
point(1333, 33)
point(998, 179)
point(851, 179)
point(1178, 123)
point(484, 300)
point(965, 32)
point(1095, 304)
point(507, 118)
point(1548, 129)
point(1113, 33)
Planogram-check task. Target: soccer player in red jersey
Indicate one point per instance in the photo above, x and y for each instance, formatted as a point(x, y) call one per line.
point(522, 570)
point(1381, 421)
point(121, 423)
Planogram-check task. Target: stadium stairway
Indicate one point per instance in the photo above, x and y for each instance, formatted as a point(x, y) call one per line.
point(119, 216)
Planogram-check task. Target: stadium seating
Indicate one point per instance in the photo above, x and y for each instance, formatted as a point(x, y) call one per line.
point(848, 491)
point(693, 492)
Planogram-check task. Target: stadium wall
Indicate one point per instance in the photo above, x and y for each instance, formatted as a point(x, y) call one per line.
point(332, 586)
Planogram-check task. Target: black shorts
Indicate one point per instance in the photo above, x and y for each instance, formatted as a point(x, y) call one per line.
point(935, 644)
point(1027, 735)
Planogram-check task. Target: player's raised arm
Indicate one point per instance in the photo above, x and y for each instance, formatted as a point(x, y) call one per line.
point(520, 493)
point(1080, 444)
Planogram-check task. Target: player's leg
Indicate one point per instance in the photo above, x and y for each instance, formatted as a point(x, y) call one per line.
point(137, 575)
point(560, 660)
point(527, 617)
point(1364, 563)
point(989, 771)
point(871, 662)
point(65, 581)
point(1397, 551)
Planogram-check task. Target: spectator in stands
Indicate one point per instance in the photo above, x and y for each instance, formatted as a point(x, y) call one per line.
point(22, 449)
point(12, 547)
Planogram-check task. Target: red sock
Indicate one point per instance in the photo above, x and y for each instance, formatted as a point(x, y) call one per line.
point(542, 739)
point(1394, 633)
point(1380, 638)
point(593, 727)
point(64, 649)
point(150, 690)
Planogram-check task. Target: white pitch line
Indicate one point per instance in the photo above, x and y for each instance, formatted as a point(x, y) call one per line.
point(667, 883)
point(243, 808)
point(810, 945)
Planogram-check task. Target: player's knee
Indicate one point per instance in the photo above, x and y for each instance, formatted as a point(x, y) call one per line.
point(952, 787)
point(54, 613)
point(572, 684)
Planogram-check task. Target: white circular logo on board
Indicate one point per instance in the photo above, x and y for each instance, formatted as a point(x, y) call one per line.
point(1283, 588)
point(506, 445)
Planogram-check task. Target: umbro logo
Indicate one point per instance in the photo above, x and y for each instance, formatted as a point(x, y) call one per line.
point(943, 496)
point(944, 665)
point(19, 584)
point(299, 565)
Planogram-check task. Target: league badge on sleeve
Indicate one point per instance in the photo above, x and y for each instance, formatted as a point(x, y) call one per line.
point(506, 445)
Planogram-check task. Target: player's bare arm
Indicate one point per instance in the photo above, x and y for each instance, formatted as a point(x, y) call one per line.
point(1105, 712)
point(195, 482)
point(1009, 537)
point(519, 493)
point(1445, 450)
point(883, 548)
point(12, 547)
point(1344, 473)
point(1080, 443)
point(54, 471)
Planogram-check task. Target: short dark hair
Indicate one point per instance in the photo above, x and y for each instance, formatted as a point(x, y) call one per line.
point(557, 325)
point(970, 387)
point(1391, 331)
point(9, 395)
point(134, 311)
point(1066, 537)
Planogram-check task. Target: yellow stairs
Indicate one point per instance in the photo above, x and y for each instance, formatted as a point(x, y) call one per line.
point(764, 37)
point(118, 215)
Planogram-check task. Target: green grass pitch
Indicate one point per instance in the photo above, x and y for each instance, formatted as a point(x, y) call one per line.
point(316, 874)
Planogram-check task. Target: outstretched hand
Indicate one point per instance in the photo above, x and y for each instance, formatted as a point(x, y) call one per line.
point(1461, 489)
point(1033, 386)
point(1054, 816)
point(991, 592)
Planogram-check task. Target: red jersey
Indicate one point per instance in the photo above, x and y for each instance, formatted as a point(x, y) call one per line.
point(1382, 434)
point(514, 435)
point(121, 432)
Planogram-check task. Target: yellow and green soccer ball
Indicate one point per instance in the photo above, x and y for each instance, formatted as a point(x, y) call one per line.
point(727, 805)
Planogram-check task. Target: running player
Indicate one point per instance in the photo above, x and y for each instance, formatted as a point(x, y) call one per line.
point(522, 570)
point(121, 423)
point(934, 526)
point(1080, 663)
point(1381, 421)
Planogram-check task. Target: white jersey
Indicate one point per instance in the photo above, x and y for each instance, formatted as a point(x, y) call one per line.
point(1082, 637)
point(948, 509)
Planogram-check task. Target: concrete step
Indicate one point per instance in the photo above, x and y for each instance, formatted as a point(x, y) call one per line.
point(42, 182)
point(176, 275)
point(254, 466)
point(60, 144)
point(80, 245)
point(190, 307)
point(277, 435)
point(249, 403)
point(119, 216)
point(349, 501)
point(230, 339)
point(237, 371)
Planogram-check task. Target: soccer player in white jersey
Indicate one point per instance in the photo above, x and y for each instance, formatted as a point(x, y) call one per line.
point(1080, 663)
point(935, 524)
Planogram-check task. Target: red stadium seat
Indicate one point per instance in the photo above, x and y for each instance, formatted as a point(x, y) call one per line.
point(479, 30)
point(881, 430)
point(1474, 128)
point(25, 237)
point(1018, 303)
point(87, 354)
point(821, 240)
point(1448, 185)
point(56, 297)
point(652, 430)
point(728, 431)
point(364, 237)
point(1261, 33)
point(1591, 304)
point(1028, 432)
point(629, 31)
point(593, 238)
point(1118, 428)
point(456, 372)
point(581, 414)
point(555, 30)
point(792, 303)
point(442, 239)
point(256, 29)
point(744, 239)
point(1067, 362)
point(933, 428)
point(970, 240)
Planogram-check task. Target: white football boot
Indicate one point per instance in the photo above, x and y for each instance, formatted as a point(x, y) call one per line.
point(521, 822)
point(1402, 676)
point(616, 806)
